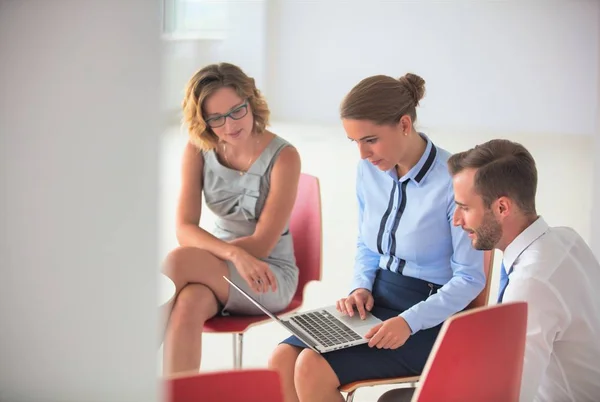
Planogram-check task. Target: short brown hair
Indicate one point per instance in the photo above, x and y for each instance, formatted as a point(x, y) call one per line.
point(207, 81)
point(383, 99)
point(504, 169)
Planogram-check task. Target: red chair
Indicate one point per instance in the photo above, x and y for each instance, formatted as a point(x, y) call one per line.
point(412, 381)
point(306, 229)
point(225, 386)
point(478, 356)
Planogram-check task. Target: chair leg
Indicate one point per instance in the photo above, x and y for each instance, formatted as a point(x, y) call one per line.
point(238, 346)
point(350, 396)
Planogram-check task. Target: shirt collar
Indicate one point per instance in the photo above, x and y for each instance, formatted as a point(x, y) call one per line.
point(523, 240)
point(423, 166)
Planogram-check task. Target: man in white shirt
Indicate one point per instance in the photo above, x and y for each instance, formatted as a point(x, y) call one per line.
point(552, 269)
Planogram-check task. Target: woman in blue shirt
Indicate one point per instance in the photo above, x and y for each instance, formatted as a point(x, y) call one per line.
point(413, 268)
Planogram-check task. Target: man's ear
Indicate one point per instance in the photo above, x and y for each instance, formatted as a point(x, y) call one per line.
point(504, 206)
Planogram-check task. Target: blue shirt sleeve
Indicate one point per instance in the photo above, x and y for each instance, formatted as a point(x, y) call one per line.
point(468, 280)
point(366, 261)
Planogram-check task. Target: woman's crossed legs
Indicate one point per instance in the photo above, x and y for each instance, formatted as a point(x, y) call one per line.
point(200, 289)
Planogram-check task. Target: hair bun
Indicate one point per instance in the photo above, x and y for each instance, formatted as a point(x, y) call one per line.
point(415, 85)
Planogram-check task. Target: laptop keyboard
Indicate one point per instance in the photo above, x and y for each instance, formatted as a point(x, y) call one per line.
point(324, 327)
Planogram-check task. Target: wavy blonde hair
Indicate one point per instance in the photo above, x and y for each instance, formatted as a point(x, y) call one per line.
point(207, 81)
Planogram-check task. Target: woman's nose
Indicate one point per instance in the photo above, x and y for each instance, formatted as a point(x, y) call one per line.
point(364, 151)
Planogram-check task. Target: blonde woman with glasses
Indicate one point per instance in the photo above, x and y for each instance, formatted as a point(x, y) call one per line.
point(248, 177)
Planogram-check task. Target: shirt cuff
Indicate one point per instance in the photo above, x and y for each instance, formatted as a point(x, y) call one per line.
point(361, 283)
point(412, 319)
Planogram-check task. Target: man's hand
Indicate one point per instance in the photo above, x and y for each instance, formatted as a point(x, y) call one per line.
point(361, 298)
point(390, 334)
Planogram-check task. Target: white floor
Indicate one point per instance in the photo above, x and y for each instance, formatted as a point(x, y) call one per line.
point(564, 198)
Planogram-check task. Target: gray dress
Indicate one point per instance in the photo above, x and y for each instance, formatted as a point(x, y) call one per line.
point(237, 201)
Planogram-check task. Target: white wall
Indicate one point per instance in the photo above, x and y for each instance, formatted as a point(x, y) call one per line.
point(595, 221)
point(78, 175)
point(244, 45)
point(511, 66)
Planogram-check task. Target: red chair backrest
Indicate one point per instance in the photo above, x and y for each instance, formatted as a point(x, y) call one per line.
point(478, 356)
point(306, 229)
point(488, 268)
point(225, 386)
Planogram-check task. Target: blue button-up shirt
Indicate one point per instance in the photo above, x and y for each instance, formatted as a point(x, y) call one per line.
point(405, 226)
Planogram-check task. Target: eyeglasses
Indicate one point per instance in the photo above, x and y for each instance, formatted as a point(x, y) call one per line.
point(235, 114)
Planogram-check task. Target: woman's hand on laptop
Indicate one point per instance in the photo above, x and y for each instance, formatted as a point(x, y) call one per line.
point(390, 334)
point(255, 272)
point(361, 298)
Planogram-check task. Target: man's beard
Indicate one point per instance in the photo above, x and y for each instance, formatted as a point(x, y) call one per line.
point(489, 233)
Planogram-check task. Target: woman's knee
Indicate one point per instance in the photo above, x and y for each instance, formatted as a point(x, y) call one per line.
point(178, 259)
point(283, 357)
point(194, 305)
point(185, 264)
point(313, 370)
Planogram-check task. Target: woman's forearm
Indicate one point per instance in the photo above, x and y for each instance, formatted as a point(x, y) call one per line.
point(194, 236)
point(253, 246)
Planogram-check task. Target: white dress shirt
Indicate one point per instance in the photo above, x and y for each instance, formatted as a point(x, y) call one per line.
point(556, 273)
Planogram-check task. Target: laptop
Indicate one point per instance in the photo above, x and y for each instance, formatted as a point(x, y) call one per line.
point(324, 329)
